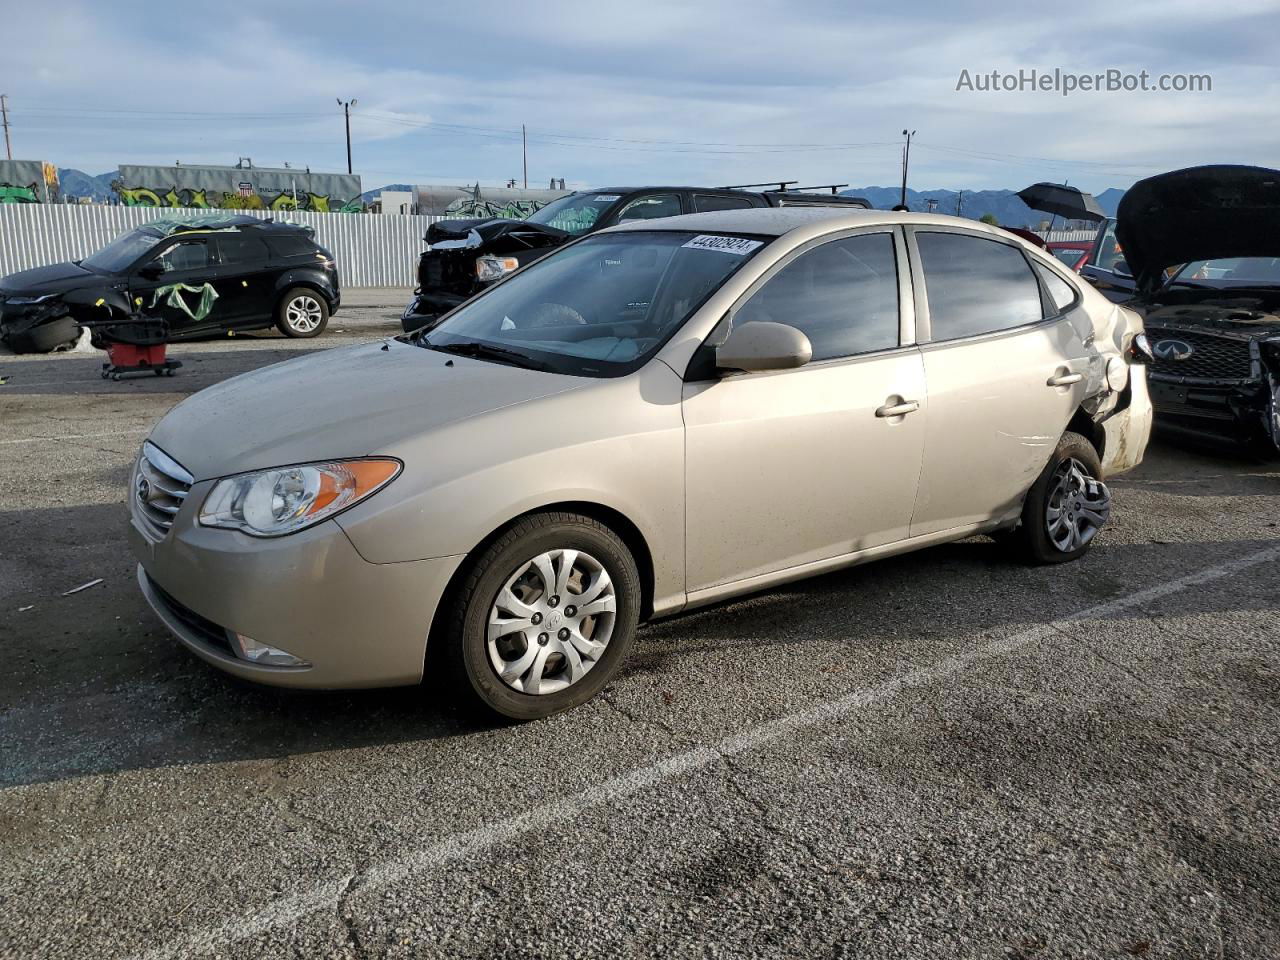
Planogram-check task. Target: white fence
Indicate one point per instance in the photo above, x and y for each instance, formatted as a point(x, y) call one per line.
point(372, 250)
point(1054, 235)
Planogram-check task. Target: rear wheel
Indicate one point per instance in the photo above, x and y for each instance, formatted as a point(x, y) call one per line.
point(1066, 507)
point(544, 617)
point(302, 313)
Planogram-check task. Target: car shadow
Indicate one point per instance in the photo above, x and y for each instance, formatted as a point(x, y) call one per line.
point(94, 684)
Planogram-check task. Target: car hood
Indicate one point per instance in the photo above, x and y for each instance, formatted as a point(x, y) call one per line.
point(1200, 213)
point(342, 403)
point(55, 278)
point(490, 230)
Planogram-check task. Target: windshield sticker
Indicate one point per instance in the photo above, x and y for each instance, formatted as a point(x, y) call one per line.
point(605, 197)
point(735, 245)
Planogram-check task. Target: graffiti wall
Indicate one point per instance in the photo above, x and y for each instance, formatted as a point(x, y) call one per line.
point(28, 181)
point(468, 202)
point(236, 188)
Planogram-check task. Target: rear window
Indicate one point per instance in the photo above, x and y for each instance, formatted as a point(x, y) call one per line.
point(291, 246)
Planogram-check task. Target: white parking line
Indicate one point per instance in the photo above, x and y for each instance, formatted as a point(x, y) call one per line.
point(81, 436)
point(327, 896)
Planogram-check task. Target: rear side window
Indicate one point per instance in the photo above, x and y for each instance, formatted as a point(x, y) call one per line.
point(975, 285)
point(237, 250)
point(705, 203)
point(1061, 294)
point(843, 295)
point(292, 247)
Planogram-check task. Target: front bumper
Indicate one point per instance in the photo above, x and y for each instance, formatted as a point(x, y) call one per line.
point(1236, 413)
point(425, 308)
point(358, 624)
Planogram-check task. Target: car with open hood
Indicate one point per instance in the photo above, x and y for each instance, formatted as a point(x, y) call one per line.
point(462, 257)
point(652, 418)
point(201, 275)
point(1214, 324)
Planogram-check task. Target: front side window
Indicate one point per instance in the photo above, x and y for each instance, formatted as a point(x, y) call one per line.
point(651, 207)
point(598, 308)
point(975, 285)
point(1110, 256)
point(122, 252)
point(187, 255)
point(843, 295)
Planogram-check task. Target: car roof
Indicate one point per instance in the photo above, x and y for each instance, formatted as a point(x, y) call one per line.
point(777, 221)
point(218, 223)
point(666, 186)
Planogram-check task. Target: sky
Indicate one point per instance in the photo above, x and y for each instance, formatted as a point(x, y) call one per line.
point(705, 92)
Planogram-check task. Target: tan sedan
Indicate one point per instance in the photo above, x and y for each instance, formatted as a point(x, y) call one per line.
point(650, 419)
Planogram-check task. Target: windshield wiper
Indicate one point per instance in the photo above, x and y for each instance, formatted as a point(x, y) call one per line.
point(487, 351)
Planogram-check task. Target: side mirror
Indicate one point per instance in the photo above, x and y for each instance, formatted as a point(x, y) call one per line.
point(152, 271)
point(764, 345)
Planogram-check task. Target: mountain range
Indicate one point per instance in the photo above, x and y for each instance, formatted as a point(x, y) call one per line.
point(1004, 205)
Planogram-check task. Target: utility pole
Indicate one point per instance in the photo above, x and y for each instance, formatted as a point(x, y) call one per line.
point(346, 110)
point(959, 201)
point(906, 157)
point(524, 155)
point(4, 113)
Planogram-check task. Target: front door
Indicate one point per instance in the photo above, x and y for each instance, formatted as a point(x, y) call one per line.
point(177, 284)
point(790, 467)
point(1006, 365)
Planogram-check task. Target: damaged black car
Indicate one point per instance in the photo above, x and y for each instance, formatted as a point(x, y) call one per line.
point(463, 256)
point(1214, 325)
point(203, 276)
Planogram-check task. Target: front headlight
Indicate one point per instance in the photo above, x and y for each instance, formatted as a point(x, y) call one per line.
point(271, 503)
point(491, 268)
point(27, 301)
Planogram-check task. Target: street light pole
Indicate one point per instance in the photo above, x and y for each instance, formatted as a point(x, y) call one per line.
point(4, 113)
point(906, 157)
point(346, 111)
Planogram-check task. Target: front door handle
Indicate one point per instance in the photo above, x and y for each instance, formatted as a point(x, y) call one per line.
point(897, 407)
point(1064, 379)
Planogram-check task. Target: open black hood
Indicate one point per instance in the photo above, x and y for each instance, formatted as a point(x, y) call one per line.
point(1200, 213)
point(536, 234)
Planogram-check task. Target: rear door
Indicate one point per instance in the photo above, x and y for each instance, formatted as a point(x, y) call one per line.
point(792, 467)
point(245, 280)
point(1007, 365)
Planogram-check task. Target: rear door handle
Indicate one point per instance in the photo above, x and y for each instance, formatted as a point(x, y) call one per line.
point(899, 409)
point(1064, 379)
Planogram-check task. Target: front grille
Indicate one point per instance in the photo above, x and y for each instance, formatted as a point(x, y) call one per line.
point(1212, 357)
point(160, 485)
point(204, 629)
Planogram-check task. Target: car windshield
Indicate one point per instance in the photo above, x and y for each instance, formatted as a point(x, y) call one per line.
point(121, 252)
point(1068, 255)
point(598, 308)
point(1232, 272)
point(576, 213)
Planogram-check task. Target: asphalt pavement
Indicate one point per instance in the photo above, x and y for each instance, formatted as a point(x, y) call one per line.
point(946, 754)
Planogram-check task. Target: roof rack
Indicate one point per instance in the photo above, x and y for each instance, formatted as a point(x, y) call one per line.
point(833, 187)
point(782, 185)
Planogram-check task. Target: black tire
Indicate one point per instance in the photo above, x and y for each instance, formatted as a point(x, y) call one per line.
point(465, 641)
point(1032, 539)
point(306, 300)
point(48, 336)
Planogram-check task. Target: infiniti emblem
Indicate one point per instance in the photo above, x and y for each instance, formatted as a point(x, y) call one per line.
point(1172, 349)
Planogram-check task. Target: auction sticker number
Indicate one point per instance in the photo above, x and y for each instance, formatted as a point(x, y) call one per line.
point(735, 245)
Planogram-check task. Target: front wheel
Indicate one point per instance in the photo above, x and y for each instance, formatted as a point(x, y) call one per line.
point(544, 617)
point(1066, 507)
point(302, 313)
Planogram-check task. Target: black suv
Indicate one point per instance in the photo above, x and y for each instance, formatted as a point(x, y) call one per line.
point(203, 275)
